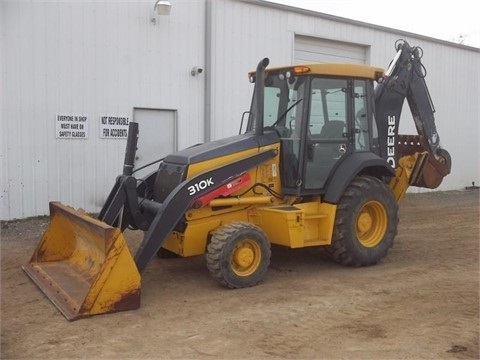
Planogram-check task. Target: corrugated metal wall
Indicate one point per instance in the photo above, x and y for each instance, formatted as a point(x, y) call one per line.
point(105, 58)
point(92, 59)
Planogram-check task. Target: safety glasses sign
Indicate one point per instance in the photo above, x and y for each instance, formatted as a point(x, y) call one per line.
point(71, 127)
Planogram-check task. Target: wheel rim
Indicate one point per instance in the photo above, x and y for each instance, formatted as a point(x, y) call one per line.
point(246, 257)
point(371, 224)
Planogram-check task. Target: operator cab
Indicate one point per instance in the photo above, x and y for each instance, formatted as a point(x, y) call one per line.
point(321, 115)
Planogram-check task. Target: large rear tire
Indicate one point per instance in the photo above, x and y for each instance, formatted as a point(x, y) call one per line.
point(238, 255)
point(365, 224)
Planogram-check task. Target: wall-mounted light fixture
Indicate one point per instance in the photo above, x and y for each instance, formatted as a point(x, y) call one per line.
point(162, 7)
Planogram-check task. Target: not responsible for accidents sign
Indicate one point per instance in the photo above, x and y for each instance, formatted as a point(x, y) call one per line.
point(114, 127)
point(71, 127)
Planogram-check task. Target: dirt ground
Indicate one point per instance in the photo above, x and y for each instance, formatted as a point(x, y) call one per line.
point(420, 302)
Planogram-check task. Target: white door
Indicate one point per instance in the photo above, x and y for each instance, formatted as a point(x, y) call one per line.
point(316, 50)
point(157, 137)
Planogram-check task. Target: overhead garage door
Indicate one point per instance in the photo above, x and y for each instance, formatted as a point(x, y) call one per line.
point(315, 50)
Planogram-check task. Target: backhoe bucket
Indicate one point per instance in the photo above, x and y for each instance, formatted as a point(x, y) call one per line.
point(84, 266)
point(430, 173)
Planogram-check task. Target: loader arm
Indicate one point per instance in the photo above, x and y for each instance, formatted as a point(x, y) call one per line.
point(124, 207)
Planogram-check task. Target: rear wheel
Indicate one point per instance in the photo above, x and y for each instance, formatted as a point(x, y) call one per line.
point(365, 224)
point(238, 255)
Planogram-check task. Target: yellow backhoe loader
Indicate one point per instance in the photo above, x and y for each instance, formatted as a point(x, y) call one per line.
point(318, 162)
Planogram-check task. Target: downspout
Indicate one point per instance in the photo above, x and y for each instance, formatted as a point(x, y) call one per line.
point(207, 129)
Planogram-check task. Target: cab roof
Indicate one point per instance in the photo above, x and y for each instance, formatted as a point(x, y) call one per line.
point(330, 69)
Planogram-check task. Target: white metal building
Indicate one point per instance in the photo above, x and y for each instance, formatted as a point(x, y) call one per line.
point(73, 73)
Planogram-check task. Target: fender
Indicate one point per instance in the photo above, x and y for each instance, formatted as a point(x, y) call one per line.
point(350, 167)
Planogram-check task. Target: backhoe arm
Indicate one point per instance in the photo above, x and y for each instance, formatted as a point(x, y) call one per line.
point(419, 159)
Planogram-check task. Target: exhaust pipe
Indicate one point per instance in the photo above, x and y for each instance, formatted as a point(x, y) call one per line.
point(260, 91)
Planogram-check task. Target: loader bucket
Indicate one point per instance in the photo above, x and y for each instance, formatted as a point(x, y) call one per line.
point(84, 266)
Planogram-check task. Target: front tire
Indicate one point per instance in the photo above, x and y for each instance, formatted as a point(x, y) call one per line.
point(365, 224)
point(238, 255)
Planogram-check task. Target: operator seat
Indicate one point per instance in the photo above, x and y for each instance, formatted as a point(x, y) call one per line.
point(332, 130)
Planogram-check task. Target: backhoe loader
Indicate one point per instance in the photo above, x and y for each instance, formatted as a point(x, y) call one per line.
point(318, 162)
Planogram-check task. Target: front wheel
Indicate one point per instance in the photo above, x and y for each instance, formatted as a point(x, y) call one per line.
point(365, 223)
point(238, 255)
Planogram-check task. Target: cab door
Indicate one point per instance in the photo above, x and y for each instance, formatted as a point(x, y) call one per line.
point(338, 124)
point(328, 139)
